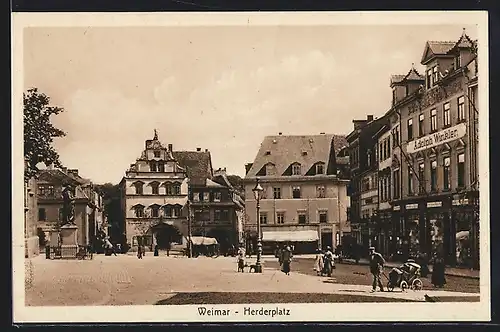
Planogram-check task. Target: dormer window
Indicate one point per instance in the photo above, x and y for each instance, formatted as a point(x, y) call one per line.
point(320, 168)
point(268, 153)
point(296, 169)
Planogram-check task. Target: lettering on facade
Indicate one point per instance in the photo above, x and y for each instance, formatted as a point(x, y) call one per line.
point(438, 138)
point(460, 202)
point(397, 208)
point(411, 206)
point(434, 204)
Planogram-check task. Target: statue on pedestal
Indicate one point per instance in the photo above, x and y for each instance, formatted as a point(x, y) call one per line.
point(68, 206)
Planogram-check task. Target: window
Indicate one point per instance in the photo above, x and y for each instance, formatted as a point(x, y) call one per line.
point(320, 168)
point(280, 217)
point(156, 154)
point(381, 186)
point(175, 189)
point(196, 196)
point(446, 173)
point(152, 166)
point(410, 181)
point(388, 147)
point(206, 197)
point(410, 129)
point(395, 137)
point(368, 157)
point(217, 196)
point(154, 211)
point(176, 211)
point(421, 177)
point(42, 215)
point(263, 218)
point(320, 191)
point(155, 188)
point(138, 188)
point(167, 211)
point(461, 109)
point(365, 184)
point(217, 215)
point(446, 114)
point(433, 175)
point(139, 211)
point(461, 170)
point(296, 192)
point(421, 125)
point(393, 96)
point(457, 62)
point(433, 120)
point(323, 217)
point(225, 215)
point(429, 78)
point(396, 183)
point(435, 74)
point(296, 169)
point(407, 90)
point(302, 218)
point(277, 192)
point(161, 167)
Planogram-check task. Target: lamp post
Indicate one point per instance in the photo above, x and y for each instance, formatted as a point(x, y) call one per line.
point(257, 191)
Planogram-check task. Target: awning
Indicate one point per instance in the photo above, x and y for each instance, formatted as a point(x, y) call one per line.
point(291, 236)
point(203, 241)
point(462, 235)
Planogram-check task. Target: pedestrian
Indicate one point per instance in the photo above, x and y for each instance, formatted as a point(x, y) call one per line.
point(438, 271)
point(329, 262)
point(318, 262)
point(110, 247)
point(156, 253)
point(286, 260)
point(169, 246)
point(376, 267)
point(139, 251)
point(241, 259)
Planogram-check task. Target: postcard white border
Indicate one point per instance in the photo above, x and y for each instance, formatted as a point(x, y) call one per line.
point(476, 311)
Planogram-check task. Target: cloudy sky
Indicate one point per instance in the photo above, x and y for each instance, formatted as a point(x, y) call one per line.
point(217, 88)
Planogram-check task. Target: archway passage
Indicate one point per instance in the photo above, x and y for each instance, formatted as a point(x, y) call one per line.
point(166, 235)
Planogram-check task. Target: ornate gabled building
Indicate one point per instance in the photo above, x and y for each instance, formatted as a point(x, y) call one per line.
point(305, 197)
point(156, 191)
point(88, 204)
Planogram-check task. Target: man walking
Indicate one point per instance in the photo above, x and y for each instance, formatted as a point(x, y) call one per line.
point(376, 267)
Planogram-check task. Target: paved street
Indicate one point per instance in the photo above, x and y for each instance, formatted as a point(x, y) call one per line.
point(125, 280)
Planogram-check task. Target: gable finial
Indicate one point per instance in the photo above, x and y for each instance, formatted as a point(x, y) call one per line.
point(156, 135)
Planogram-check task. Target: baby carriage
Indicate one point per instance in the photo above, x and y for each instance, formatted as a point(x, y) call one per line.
point(404, 277)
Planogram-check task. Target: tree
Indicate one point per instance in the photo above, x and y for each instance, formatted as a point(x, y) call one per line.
point(39, 132)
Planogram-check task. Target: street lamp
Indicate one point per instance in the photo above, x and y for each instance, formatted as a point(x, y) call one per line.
point(257, 191)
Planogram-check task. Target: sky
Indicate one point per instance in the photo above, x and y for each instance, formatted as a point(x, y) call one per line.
point(221, 88)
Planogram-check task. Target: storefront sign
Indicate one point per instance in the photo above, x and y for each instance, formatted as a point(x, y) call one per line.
point(438, 138)
point(411, 206)
point(396, 208)
point(434, 204)
point(460, 201)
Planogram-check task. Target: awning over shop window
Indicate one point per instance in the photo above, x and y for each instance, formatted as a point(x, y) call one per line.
point(203, 241)
point(290, 236)
point(462, 235)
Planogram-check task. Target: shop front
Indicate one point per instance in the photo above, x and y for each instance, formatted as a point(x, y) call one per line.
point(465, 220)
point(397, 235)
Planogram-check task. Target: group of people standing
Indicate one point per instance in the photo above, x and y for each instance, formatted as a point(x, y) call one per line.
point(324, 263)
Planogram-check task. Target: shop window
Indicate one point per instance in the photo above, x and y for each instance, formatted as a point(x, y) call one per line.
point(434, 175)
point(446, 115)
point(461, 170)
point(414, 236)
point(436, 233)
point(277, 193)
point(433, 120)
point(296, 192)
point(461, 108)
point(302, 218)
point(446, 173)
point(280, 217)
point(463, 239)
point(410, 129)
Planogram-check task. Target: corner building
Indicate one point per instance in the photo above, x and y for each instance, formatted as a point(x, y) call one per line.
point(435, 189)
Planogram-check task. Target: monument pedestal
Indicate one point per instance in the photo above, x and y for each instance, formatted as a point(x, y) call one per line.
point(69, 241)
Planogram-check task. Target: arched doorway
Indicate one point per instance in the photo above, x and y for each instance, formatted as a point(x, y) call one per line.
point(166, 235)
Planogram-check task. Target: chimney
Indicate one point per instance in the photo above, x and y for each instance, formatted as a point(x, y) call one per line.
point(369, 118)
point(170, 147)
point(198, 149)
point(280, 133)
point(206, 150)
point(322, 133)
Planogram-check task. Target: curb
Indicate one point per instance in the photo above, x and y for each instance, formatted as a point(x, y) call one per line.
point(430, 271)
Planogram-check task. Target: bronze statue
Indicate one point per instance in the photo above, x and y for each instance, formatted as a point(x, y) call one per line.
point(68, 206)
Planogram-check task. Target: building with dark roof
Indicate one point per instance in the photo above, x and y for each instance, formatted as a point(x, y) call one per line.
point(89, 211)
point(304, 200)
point(164, 186)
